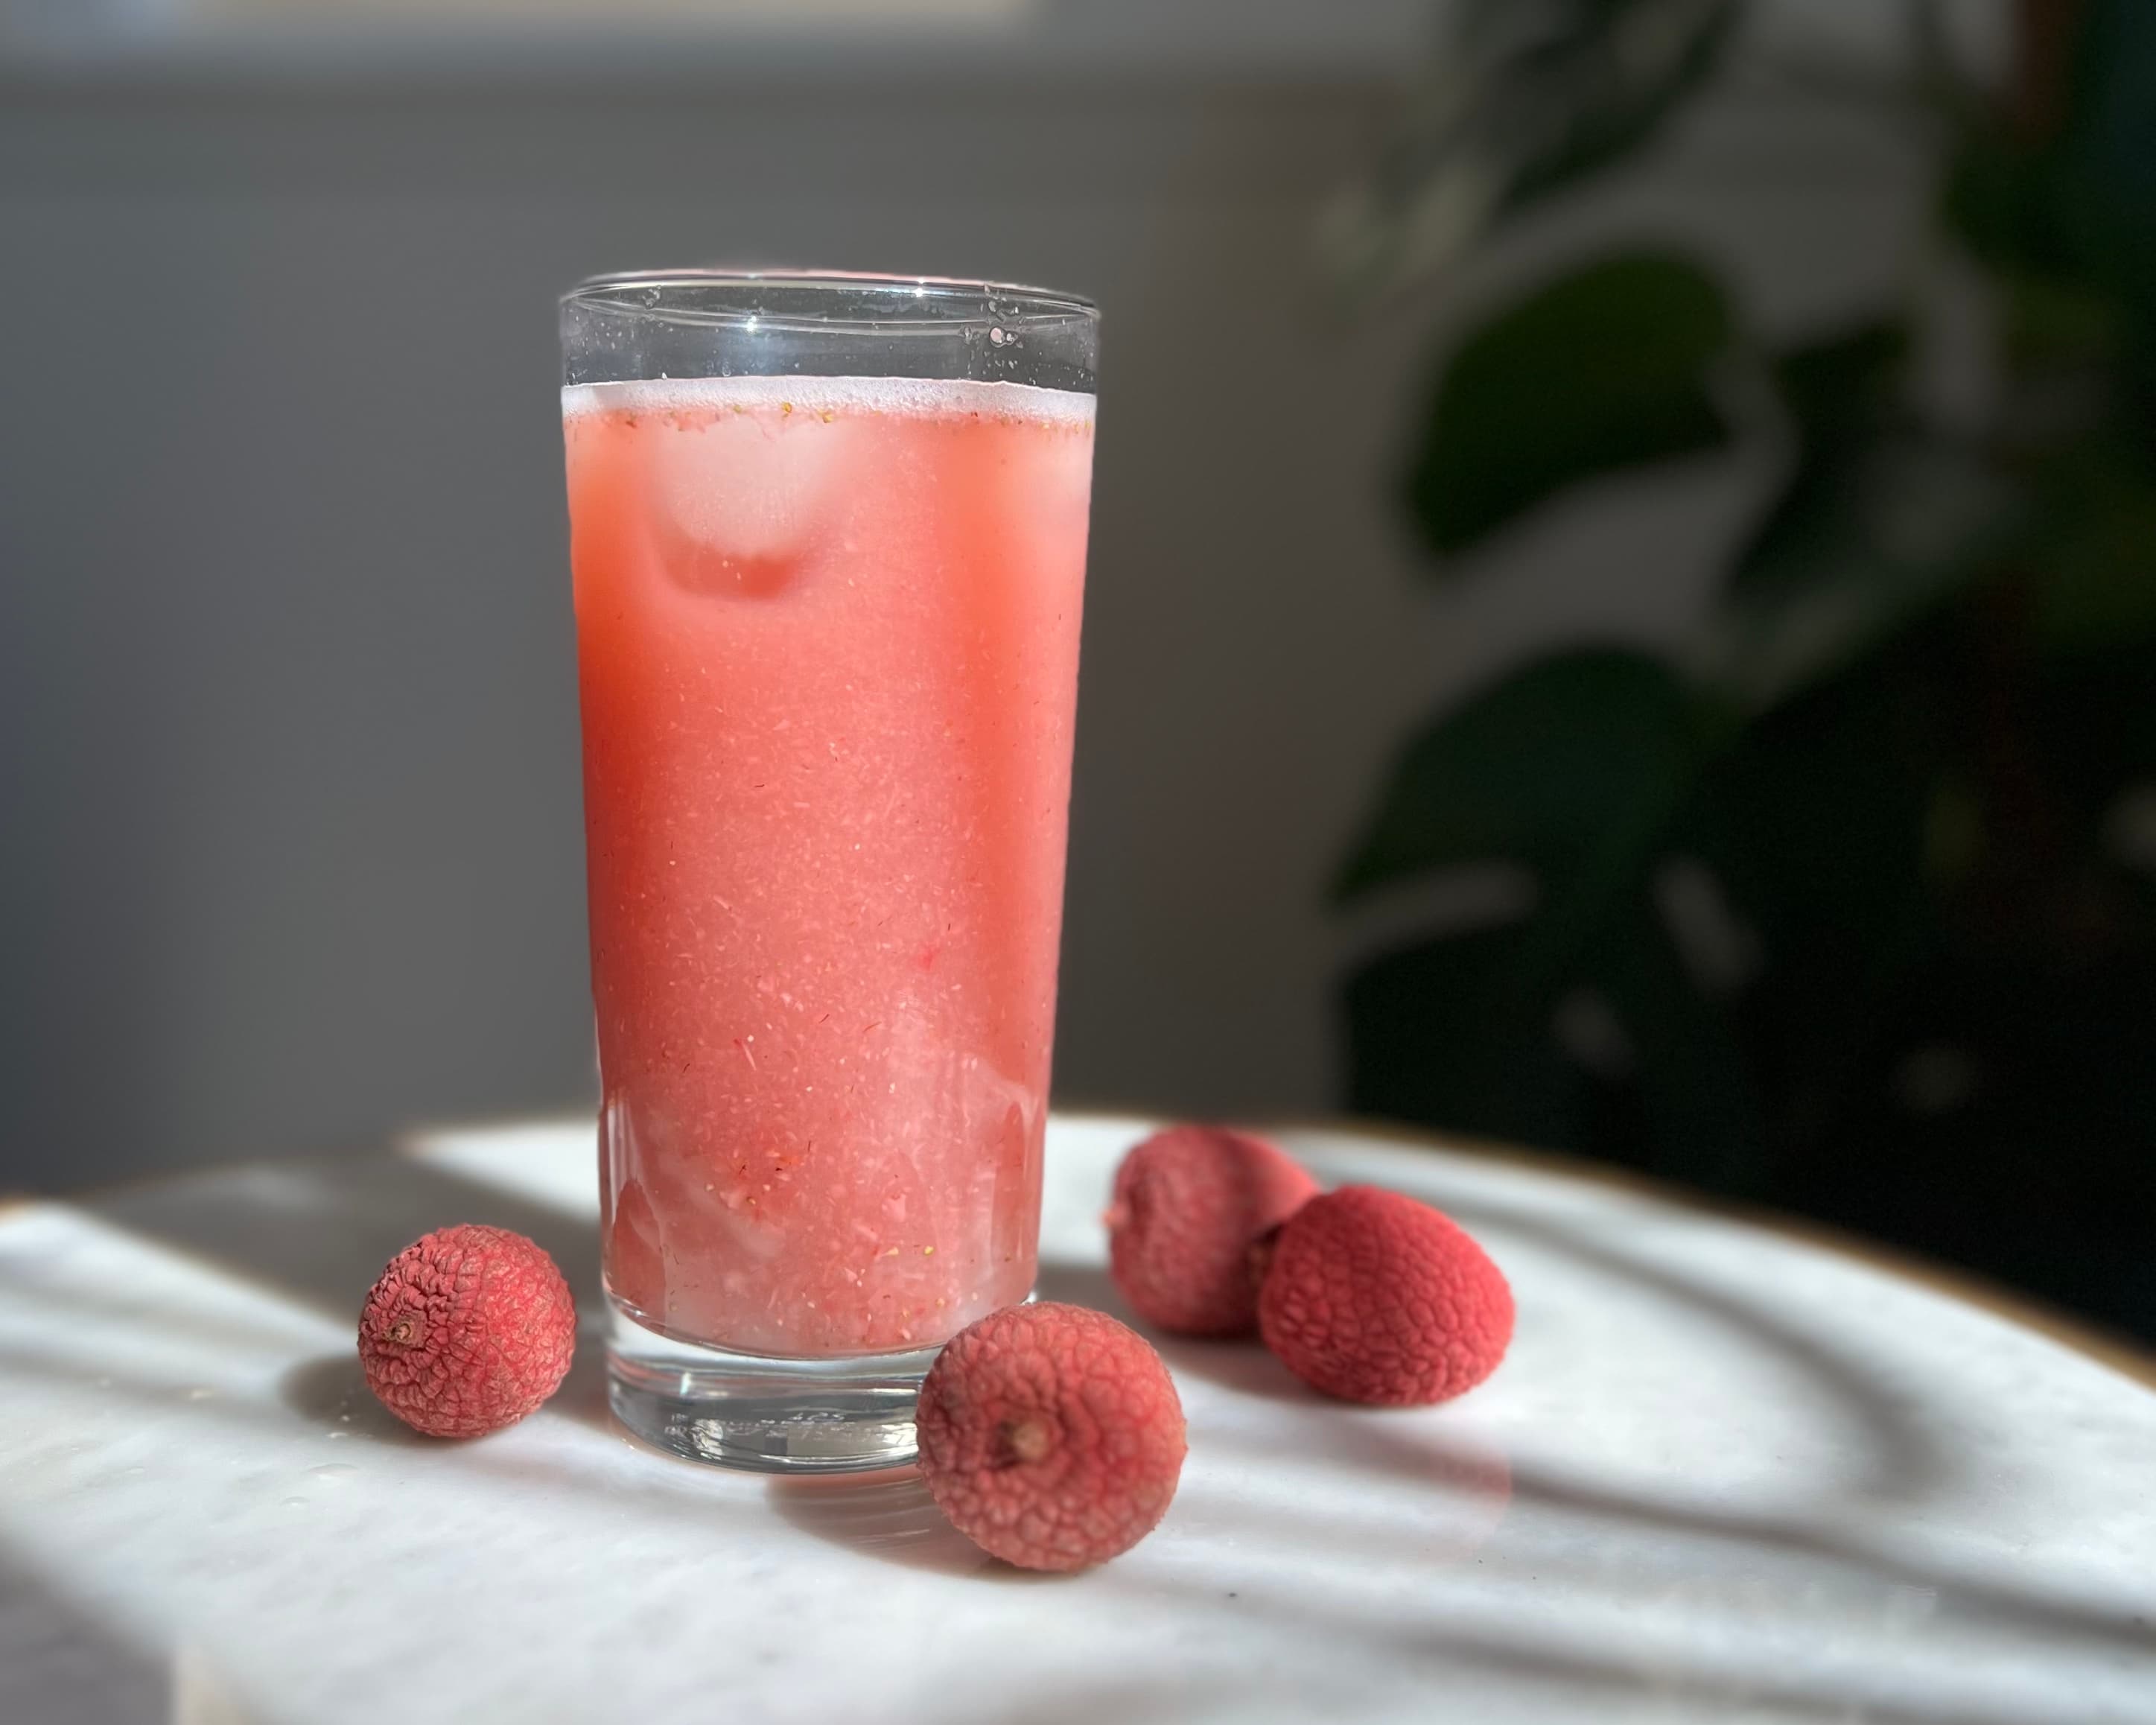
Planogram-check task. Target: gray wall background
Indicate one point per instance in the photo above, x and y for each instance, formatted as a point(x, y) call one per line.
point(289, 840)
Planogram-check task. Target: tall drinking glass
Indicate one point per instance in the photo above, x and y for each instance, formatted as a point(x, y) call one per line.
point(827, 535)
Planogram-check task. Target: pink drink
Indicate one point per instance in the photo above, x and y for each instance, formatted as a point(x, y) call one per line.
point(828, 637)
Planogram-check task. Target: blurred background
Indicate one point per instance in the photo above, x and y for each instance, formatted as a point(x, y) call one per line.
point(1622, 609)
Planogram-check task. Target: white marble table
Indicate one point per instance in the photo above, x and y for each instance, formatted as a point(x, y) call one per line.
point(1724, 1476)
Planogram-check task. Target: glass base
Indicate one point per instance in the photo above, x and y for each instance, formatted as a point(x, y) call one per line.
point(794, 1416)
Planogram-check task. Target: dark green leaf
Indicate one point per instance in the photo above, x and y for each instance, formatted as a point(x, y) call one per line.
point(1881, 520)
point(2037, 1164)
point(1606, 369)
point(1465, 1032)
point(2094, 552)
point(2001, 200)
point(1927, 823)
point(1901, 536)
point(1696, 1097)
point(2077, 205)
point(2094, 726)
point(1841, 394)
point(2051, 321)
point(1816, 815)
point(1539, 770)
point(1610, 89)
point(1524, 102)
point(1844, 385)
point(2113, 130)
point(1434, 1036)
point(2103, 186)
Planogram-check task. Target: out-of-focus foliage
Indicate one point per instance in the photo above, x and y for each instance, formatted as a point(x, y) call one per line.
point(1608, 368)
point(1529, 98)
point(1849, 906)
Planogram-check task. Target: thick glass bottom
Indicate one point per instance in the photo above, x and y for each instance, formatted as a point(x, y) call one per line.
point(793, 1416)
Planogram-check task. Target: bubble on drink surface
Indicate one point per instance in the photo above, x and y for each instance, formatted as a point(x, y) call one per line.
point(840, 398)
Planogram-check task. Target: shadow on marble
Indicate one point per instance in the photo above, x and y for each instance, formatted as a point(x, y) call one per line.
point(892, 1520)
point(1080, 1284)
point(316, 1390)
point(319, 1230)
point(1690, 1693)
point(888, 1516)
point(1243, 1366)
point(1904, 1464)
point(118, 1304)
point(333, 1389)
point(583, 1396)
point(1212, 1699)
point(2019, 1609)
point(1842, 1567)
point(332, 1392)
point(60, 1660)
point(1464, 1465)
point(1592, 1683)
point(1908, 1466)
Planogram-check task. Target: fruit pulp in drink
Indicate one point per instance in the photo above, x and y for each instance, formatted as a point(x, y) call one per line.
point(828, 645)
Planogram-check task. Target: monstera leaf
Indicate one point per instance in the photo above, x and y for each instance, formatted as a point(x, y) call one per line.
point(1882, 517)
point(2075, 202)
point(1443, 1030)
point(1698, 883)
point(1608, 368)
point(1541, 770)
point(1436, 1032)
point(1850, 904)
point(1842, 395)
point(2094, 554)
point(1576, 769)
point(1529, 98)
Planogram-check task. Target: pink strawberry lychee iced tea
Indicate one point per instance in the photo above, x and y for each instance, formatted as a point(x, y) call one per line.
point(828, 641)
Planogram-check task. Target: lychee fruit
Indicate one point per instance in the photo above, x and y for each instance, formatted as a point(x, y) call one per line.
point(1051, 1436)
point(1188, 1204)
point(1373, 1297)
point(467, 1331)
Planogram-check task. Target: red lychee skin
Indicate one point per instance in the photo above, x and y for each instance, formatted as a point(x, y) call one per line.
point(1188, 1202)
point(1372, 1297)
point(467, 1331)
point(1051, 1436)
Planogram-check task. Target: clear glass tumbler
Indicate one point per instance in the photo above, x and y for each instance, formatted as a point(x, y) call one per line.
point(827, 535)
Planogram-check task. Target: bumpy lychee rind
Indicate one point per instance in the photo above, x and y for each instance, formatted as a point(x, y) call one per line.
point(1373, 1297)
point(1051, 1436)
point(1188, 1203)
point(467, 1331)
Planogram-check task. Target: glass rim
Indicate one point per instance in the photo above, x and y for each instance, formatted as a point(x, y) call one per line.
point(958, 301)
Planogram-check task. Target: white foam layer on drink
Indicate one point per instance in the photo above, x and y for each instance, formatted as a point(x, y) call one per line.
point(914, 398)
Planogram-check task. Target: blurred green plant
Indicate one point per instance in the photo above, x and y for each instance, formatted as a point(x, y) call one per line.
point(1850, 904)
